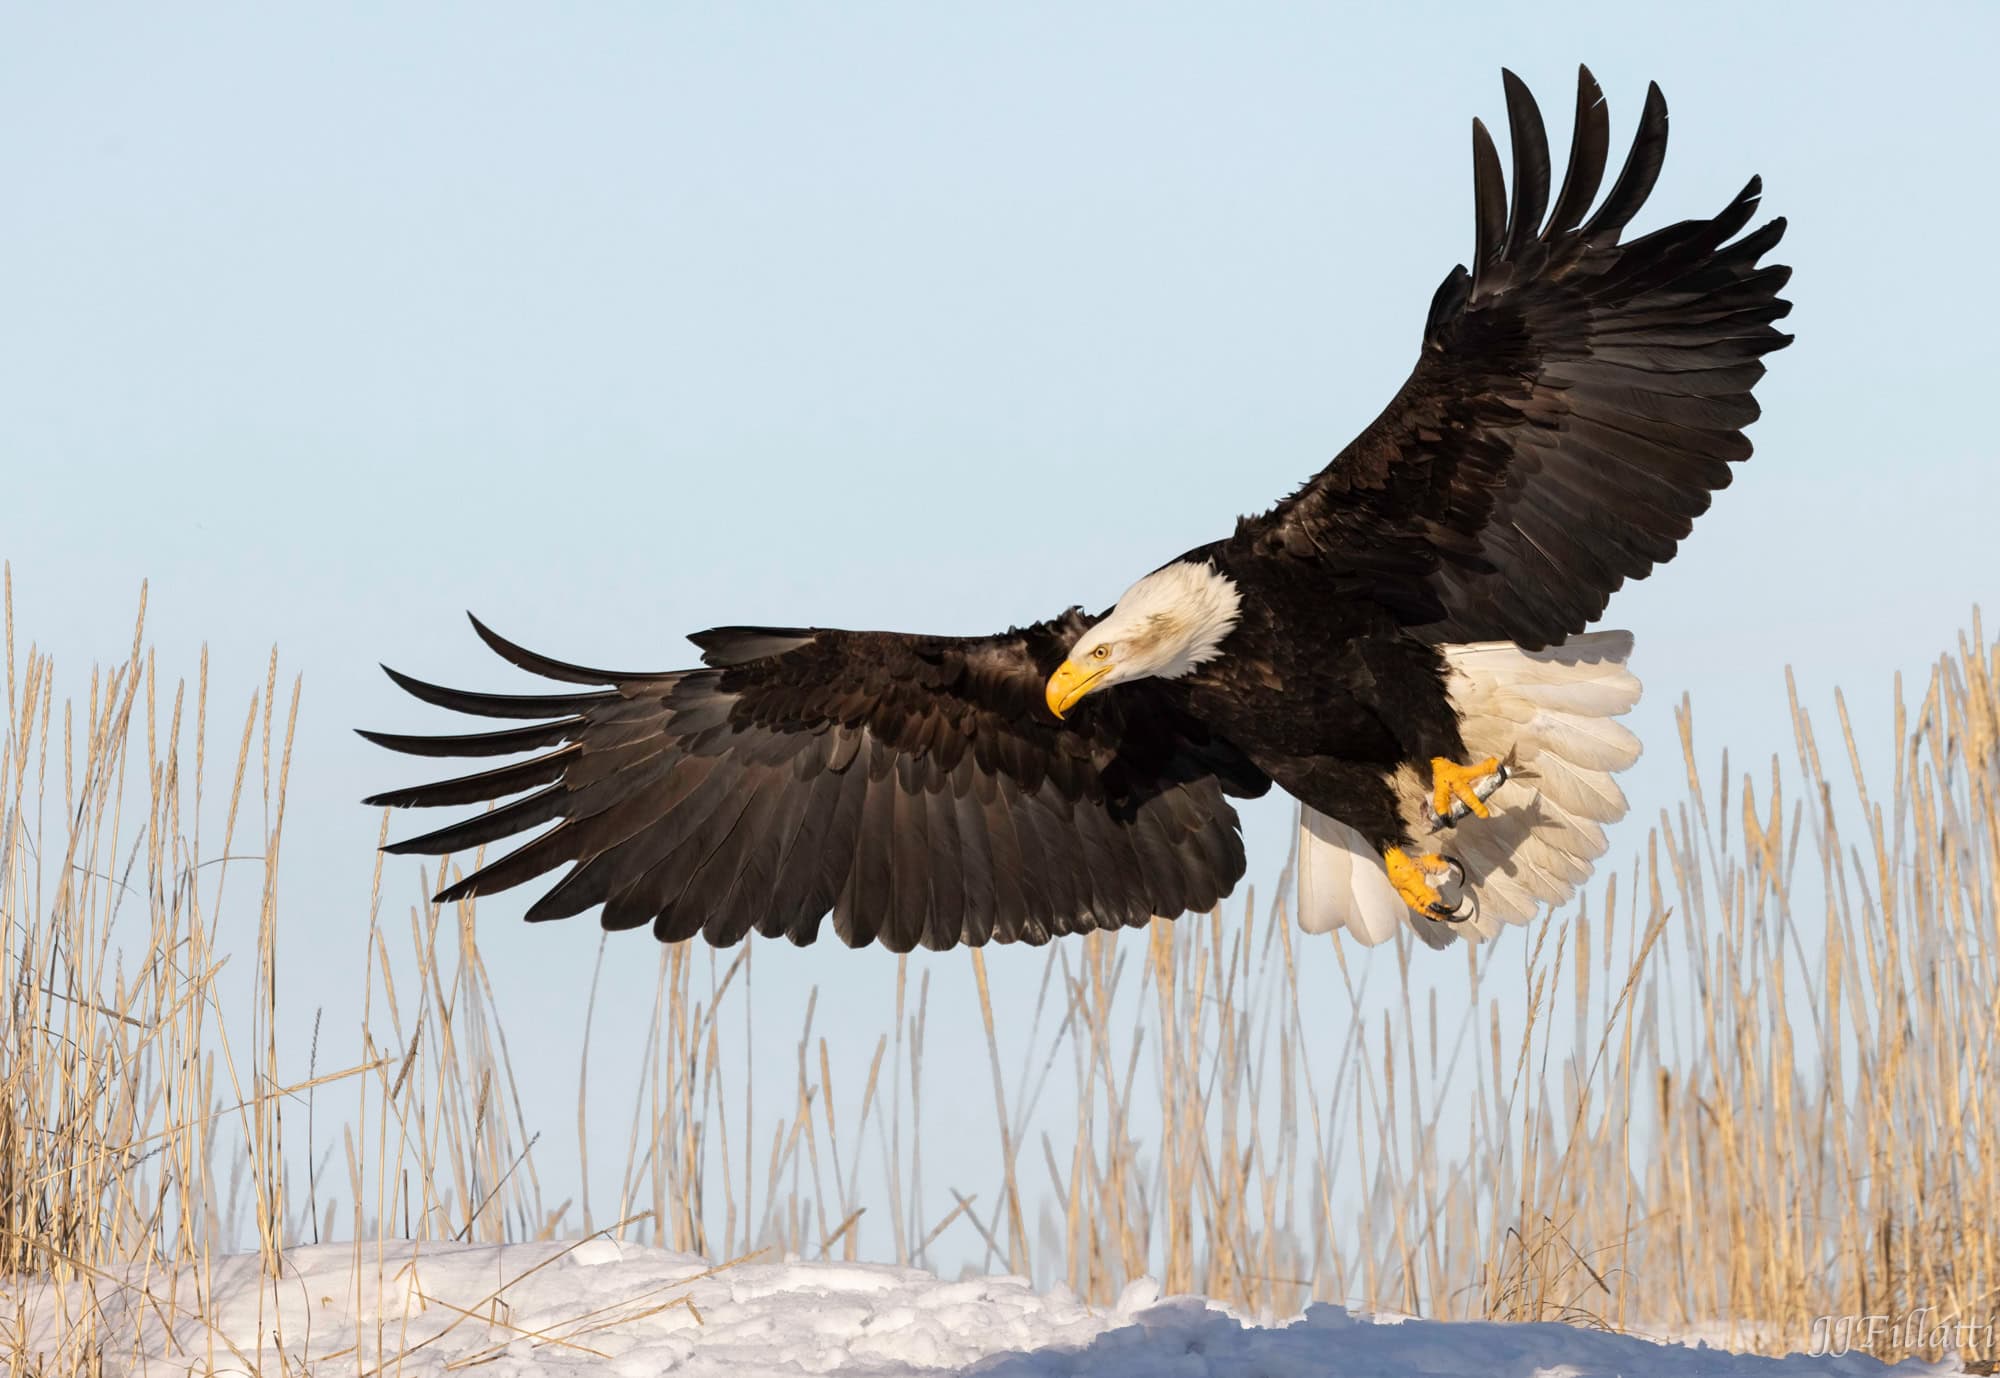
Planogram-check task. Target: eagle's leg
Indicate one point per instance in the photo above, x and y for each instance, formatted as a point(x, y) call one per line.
point(1458, 790)
point(1415, 880)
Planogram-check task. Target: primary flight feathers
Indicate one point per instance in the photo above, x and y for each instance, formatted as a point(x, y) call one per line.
point(1575, 402)
point(906, 784)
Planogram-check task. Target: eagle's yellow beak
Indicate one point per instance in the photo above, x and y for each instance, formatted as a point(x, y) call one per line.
point(1069, 683)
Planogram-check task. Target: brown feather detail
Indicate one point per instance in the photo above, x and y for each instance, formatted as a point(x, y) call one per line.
point(916, 788)
point(1575, 402)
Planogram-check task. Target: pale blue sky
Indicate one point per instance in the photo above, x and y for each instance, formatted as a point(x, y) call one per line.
point(616, 322)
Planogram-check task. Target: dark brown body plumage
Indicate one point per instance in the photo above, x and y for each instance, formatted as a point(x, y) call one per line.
point(1575, 402)
point(1326, 697)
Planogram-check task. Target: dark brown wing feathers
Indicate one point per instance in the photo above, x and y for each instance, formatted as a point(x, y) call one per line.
point(914, 787)
point(1576, 402)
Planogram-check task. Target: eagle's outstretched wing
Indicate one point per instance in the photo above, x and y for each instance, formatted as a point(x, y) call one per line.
point(917, 788)
point(1576, 402)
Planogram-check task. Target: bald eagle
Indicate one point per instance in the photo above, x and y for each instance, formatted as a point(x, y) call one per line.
point(1400, 645)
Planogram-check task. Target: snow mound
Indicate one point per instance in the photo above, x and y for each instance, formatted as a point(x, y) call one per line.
point(608, 1308)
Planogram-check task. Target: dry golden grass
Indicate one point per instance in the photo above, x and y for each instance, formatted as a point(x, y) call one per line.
point(143, 1126)
point(1744, 1086)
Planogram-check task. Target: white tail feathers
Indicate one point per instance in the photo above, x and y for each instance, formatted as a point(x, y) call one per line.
point(1342, 882)
point(1548, 714)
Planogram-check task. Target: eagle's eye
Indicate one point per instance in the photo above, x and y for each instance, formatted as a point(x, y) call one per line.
point(1101, 653)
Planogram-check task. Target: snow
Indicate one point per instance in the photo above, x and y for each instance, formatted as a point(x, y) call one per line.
point(603, 1307)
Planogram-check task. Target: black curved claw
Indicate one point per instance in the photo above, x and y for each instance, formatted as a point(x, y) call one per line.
point(1467, 907)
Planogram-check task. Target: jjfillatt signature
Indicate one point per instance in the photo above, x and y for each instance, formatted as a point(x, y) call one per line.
point(1922, 1328)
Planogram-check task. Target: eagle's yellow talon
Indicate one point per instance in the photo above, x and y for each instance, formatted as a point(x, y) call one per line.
point(1449, 782)
point(1412, 882)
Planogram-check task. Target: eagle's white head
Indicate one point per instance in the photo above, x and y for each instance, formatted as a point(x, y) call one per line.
point(1166, 624)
